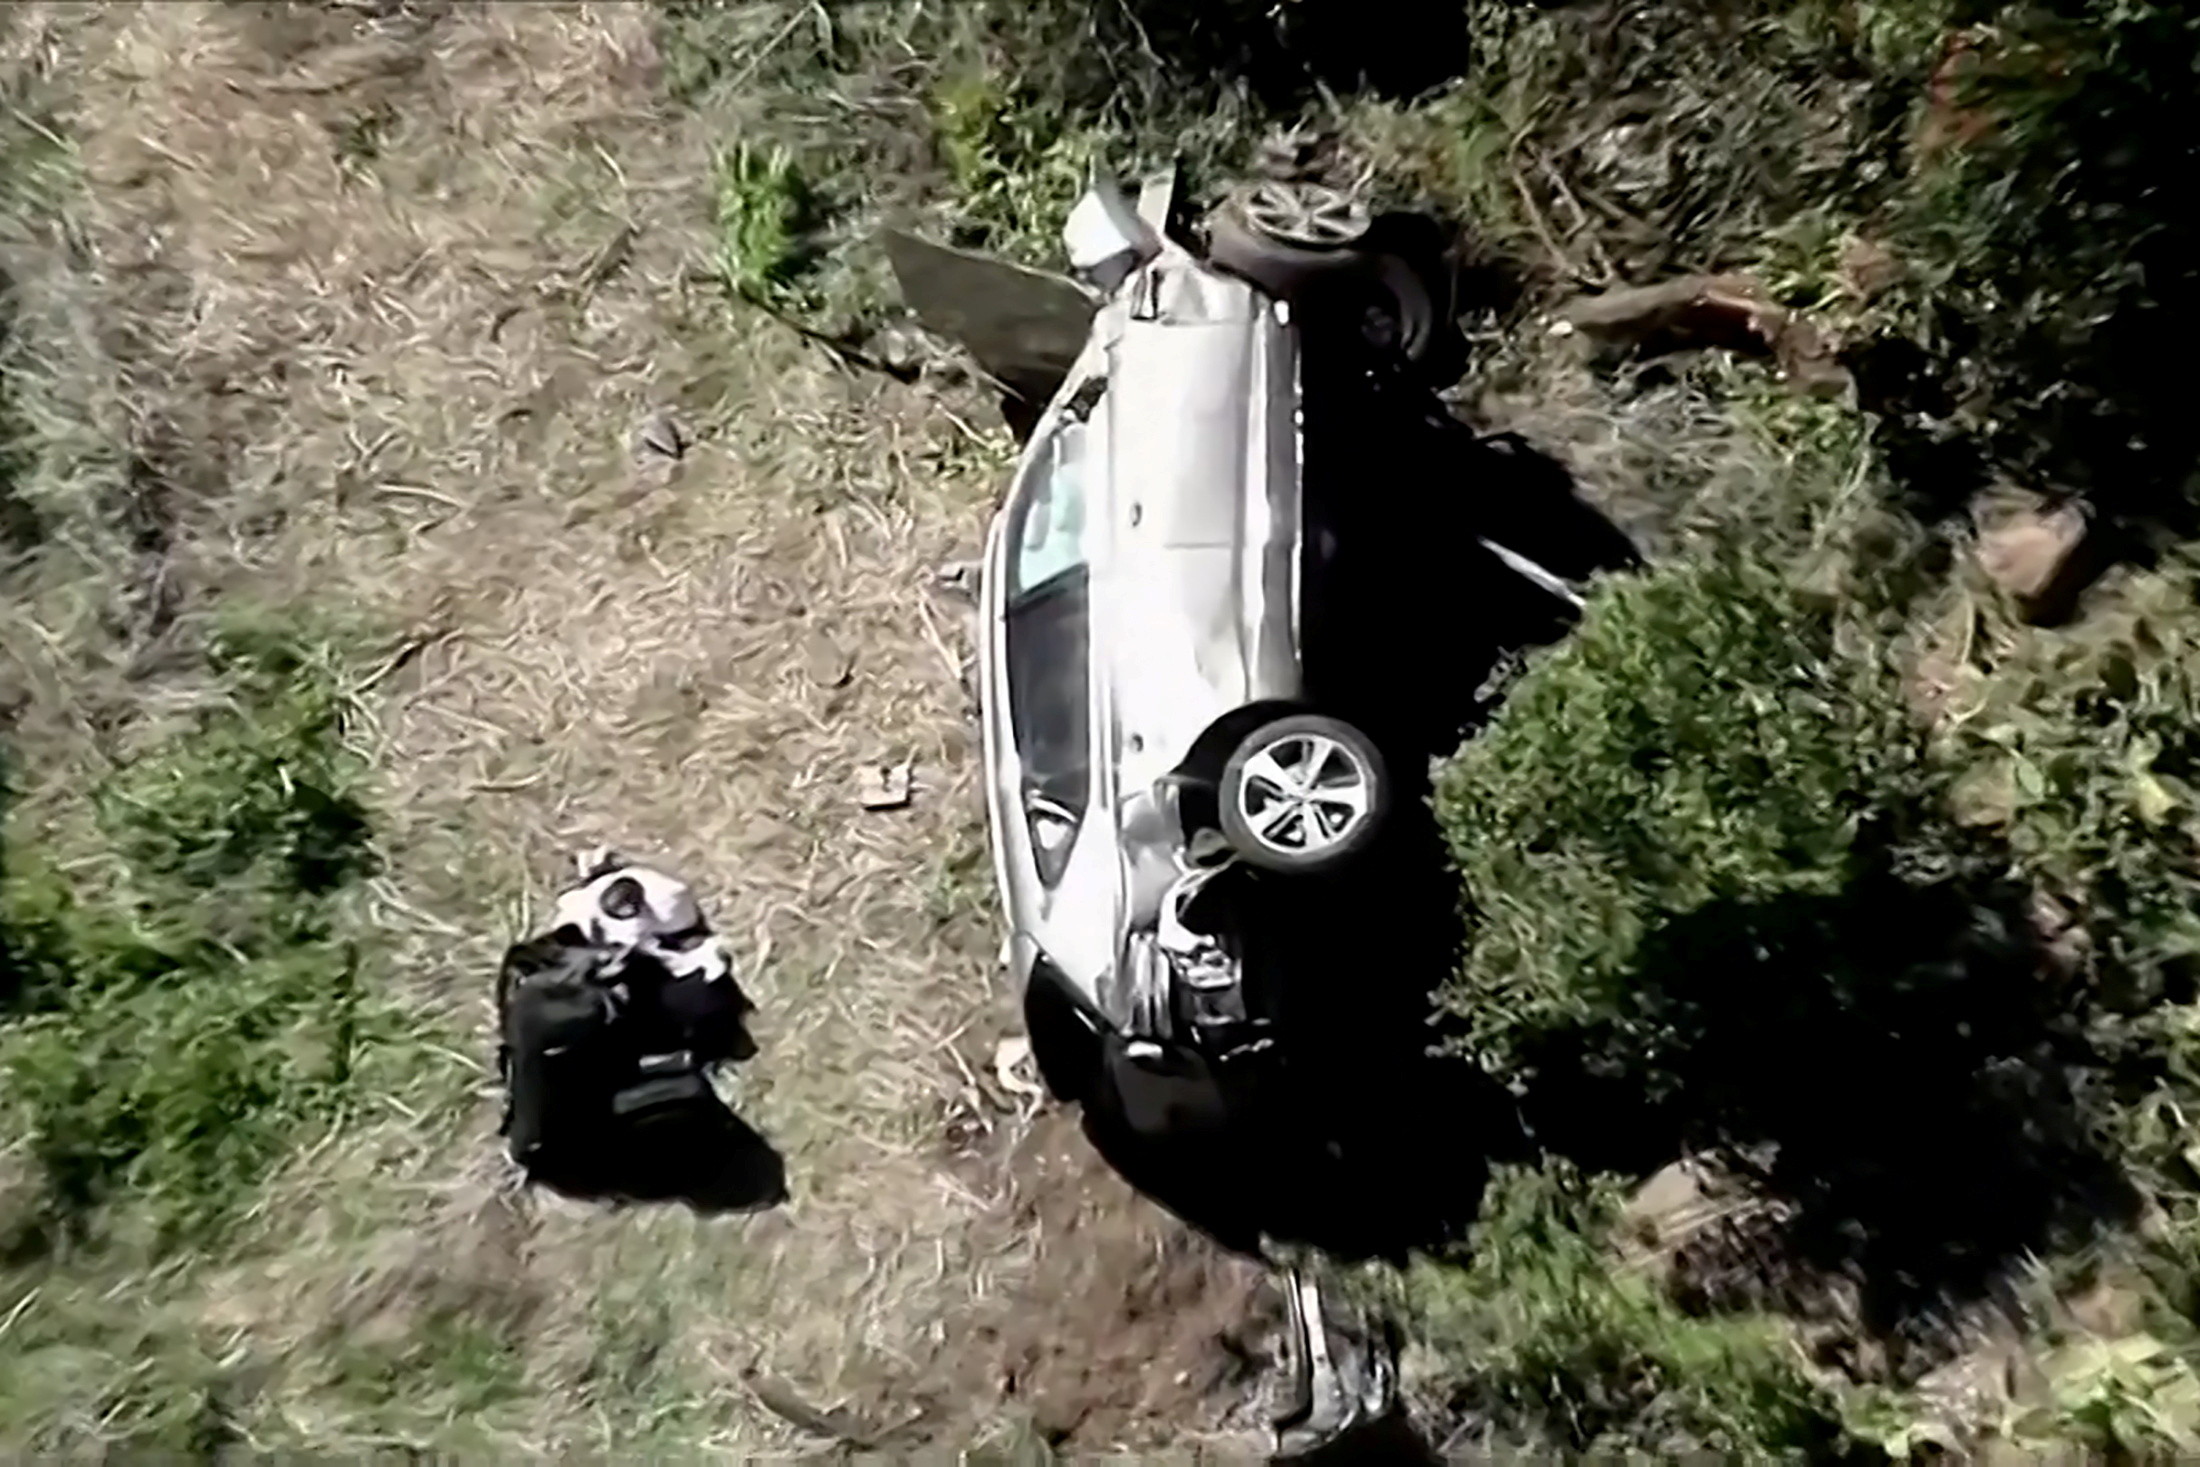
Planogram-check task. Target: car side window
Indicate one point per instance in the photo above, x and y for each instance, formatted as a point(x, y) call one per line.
point(1049, 524)
point(1048, 644)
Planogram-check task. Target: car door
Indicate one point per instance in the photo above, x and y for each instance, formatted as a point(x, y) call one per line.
point(1024, 328)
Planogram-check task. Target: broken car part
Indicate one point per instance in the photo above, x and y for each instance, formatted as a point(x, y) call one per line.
point(1341, 1370)
point(1023, 327)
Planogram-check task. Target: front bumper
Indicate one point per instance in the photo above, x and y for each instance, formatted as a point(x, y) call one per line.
point(1186, 977)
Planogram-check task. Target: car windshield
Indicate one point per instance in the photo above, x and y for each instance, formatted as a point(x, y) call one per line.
point(1048, 623)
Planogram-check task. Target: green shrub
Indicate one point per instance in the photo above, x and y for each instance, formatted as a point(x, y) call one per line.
point(1701, 742)
point(1716, 899)
point(180, 1006)
point(1542, 1338)
point(763, 206)
point(2079, 751)
point(2129, 1399)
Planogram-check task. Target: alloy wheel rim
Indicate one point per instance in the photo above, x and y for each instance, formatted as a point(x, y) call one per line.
point(1304, 793)
point(1311, 216)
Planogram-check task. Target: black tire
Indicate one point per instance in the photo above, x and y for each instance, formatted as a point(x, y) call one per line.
point(1065, 1047)
point(1297, 274)
point(1243, 785)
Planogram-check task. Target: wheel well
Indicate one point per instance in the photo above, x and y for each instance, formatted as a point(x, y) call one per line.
point(1211, 750)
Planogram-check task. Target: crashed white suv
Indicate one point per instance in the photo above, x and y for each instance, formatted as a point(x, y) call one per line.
point(1141, 683)
point(1140, 639)
point(1144, 595)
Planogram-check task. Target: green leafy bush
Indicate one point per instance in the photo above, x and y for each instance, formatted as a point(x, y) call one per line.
point(1539, 1336)
point(1716, 899)
point(181, 1004)
point(1701, 743)
point(763, 209)
point(2079, 752)
point(2128, 1399)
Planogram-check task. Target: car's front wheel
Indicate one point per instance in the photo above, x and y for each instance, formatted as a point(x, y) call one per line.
point(1065, 1046)
point(1303, 794)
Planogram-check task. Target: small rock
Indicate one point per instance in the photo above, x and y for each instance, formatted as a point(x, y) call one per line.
point(2034, 551)
point(902, 352)
point(1947, 122)
point(663, 436)
point(1973, 1391)
point(883, 786)
point(2108, 1309)
point(829, 664)
point(957, 578)
point(1013, 1067)
point(1663, 1204)
point(2065, 946)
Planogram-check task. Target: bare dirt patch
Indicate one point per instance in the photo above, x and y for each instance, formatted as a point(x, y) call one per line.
point(1127, 1327)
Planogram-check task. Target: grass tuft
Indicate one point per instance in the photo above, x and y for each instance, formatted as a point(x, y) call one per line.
point(763, 208)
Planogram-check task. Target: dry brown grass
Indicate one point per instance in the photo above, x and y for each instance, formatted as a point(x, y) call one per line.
point(380, 295)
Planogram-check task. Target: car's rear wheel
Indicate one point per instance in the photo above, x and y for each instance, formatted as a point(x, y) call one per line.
point(1303, 794)
point(1304, 216)
point(1301, 241)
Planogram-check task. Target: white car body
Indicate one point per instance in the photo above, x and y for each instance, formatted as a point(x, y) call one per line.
point(1187, 469)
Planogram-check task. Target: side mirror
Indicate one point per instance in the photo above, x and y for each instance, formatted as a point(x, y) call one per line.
point(1105, 236)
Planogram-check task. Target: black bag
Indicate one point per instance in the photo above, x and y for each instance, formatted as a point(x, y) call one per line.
point(558, 1050)
point(589, 1056)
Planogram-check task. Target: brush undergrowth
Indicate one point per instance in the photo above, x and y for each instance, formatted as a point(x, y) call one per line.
point(190, 1004)
point(1571, 1355)
point(185, 1009)
point(1731, 883)
point(181, 1001)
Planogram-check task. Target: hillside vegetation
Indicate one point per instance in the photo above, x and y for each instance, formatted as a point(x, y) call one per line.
point(1810, 857)
point(339, 606)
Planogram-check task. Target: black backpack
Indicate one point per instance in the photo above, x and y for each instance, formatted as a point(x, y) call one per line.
point(557, 1045)
point(579, 1056)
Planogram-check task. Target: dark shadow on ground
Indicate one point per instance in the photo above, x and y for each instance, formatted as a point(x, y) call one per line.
point(1390, 1442)
point(701, 1155)
point(1889, 1062)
